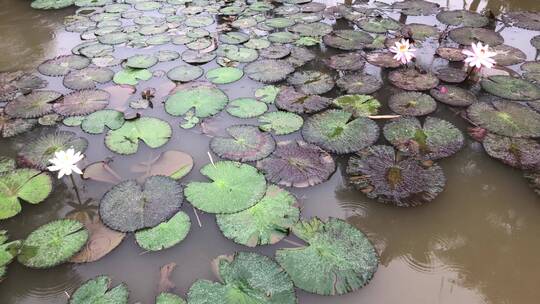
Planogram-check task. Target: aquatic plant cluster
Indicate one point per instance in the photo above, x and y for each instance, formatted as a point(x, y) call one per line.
point(306, 116)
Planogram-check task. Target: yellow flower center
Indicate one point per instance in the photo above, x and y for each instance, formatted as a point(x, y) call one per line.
point(402, 48)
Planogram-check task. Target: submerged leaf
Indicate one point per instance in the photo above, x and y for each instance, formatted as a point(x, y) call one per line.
point(174, 164)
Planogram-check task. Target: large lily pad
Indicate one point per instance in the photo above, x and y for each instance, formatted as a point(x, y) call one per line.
point(142, 61)
point(511, 88)
point(453, 96)
point(224, 75)
point(246, 143)
point(166, 234)
point(87, 78)
point(339, 258)
point(451, 75)
point(61, 65)
point(128, 206)
point(263, 224)
point(14, 83)
point(337, 131)
point(469, 35)
point(152, 131)
point(53, 244)
point(506, 118)
point(169, 298)
point(346, 62)
point(358, 105)
point(521, 153)
point(246, 108)
point(311, 82)
point(14, 126)
point(33, 105)
point(416, 7)
point(462, 18)
point(82, 102)
point(315, 29)
point(297, 164)
point(235, 187)
point(38, 152)
point(348, 40)
point(98, 290)
point(413, 80)
point(405, 182)
point(29, 185)
point(412, 104)
point(268, 70)
point(419, 31)
point(526, 20)
point(298, 102)
point(96, 122)
point(280, 122)
point(8, 251)
point(185, 73)
point(131, 76)
point(436, 139)
point(245, 278)
point(508, 55)
point(359, 83)
point(205, 100)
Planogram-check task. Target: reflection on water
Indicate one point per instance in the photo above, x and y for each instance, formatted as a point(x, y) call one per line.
point(478, 242)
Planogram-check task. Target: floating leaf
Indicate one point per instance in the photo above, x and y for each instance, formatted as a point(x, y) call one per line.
point(96, 122)
point(14, 83)
point(152, 131)
point(462, 18)
point(521, 153)
point(196, 57)
point(468, 35)
point(206, 100)
point(235, 187)
point(185, 73)
point(346, 62)
point(87, 78)
point(263, 224)
point(511, 88)
point(311, 82)
point(293, 101)
point(413, 80)
point(98, 290)
point(82, 102)
point(451, 54)
point(416, 7)
point(339, 258)
point(418, 31)
point(8, 251)
point(61, 65)
point(451, 75)
point(224, 75)
point(280, 122)
point(128, 206)
point(297, 164)
point(164, 235)
point(454, 96)
point(315, 29)
point(246, 108)
point(29, 185)
point(358, 105)
point(169, 298)
point(246, 143)
point(174, 164)
point(507, 55)
point(53, 244)
point(379, 25)
point(359, 83)
point(268, 70)
point(347, 40)
point(412, 104)
point(405, 182)
point(526, 20)
point(383, 59)
point(51, 4)
point(275, 51)
point(131, 76)
point(143, 61)
point(245, 278)
point(267, 94)
point(33, 105)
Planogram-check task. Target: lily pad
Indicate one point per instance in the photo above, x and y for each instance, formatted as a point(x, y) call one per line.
point(29, 185)
point(346, 62)
point(505, 118)
point(293, 101)
point(297, 164)
point(275, 52)
point(359, 83)
point(53, 244)
point(462, 18)
point(141, 61)
point(61, 65)
point(469, 35)
point(131, 76)
point(246, 143)
point(358, 105)
point(383, 59)
point(511, 88)
point(419, 31)
point(164, 235)
point(82, 102)
point(245, 278)
point(51, 4)
point(521, 153)
point(87, 78)
point(347, 39)
point(413, 80)
point(508, 55)
point(267, 94)
point(96, 122)
point(416, 7)
point(531, 71)
point(535, 42)
point(436, 139)
point(185, 73)
point(404, 182)
point(14, 83)
point(246, 108)
point(38, 152)
point(206, 100)
point(169, 298)
point(379, 25)
point(451, 75)
point(339, 258)
point(450, 53)
point(526, 20)
point(453, 96)
point(412, 104)
point(98, 290)
point(152, 131)
point(315, 29)
point(280, 122)
point(268, 70)
point(311, 82)
point(224, 75)
point(235, 187)
point(128, 206)
point(33, 105)
point(196, 57)
point(265, 223)
point(8, 251)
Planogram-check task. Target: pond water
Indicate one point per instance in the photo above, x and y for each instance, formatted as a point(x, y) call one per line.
point(477, 242)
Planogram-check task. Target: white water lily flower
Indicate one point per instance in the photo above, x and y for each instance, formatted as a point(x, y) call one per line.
point(480, 56)
point(403, 50)
point(65, 162)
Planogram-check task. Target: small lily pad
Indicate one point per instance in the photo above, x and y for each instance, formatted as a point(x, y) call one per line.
point(412, 104)
point(511, 88)
point(98, 290)
point(521, 153)
point(413, 80)
point(246, 108)
point(469, 35)
point(383, 59)
point(346, 62)
point(453, 96)
point(246, 143)
point(152, 131)
point(96, 122)
point(418, 31)
point(293, 101)
point(206, 100)
point(416, 7)
point(268, 70)
point(358, 105)
point(267, 94)
point(450, 53)
point(87, 78)
point(280, 122)
point(141, 61)
point(61, 65)
point(451, 75)
point(462, 18)
point(131, 76)
point(185, 73)
point(224, 75)
point(197, 57)
point(347, 40)
point(164, 235)
point(359, 83)
point(311, 82)
point(33, 105)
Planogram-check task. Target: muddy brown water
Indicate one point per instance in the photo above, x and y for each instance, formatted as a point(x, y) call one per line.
point(478, 242)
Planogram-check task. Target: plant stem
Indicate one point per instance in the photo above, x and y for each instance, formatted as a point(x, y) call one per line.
point(76, 189)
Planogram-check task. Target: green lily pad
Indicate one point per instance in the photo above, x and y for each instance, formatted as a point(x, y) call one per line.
point(505, 118)
point(531, 71)
point(206, 100)
point(453, 96)
point(185, 73)
point(311, 82)
point(462, 18)
point(8, 251)
point(246, 143)
point(233, 37)
point(436, 139)
point(98, 290)
point(51, 4)
point(6, 164)
point(235, 187)
point(169, 298)
point(128, 206)
point(152, 131)
point(511, 88)
point(379, 25)
point(224, 75)
point(38, 152)
point(245, 278)
point(521, 153)
point(61, 65)
point(420, 31)
point(283, 37)
point(297, 164)
point(199, 21)
point(33, 105)
point(280, 122)
point(96, 122)
point(337, 131)
point(267, 94)
point(82, 102)
point(141, 61)
point(359, 83)
point(507, 55)
point(346, 62)
point(315, 29)
point(358, 105)
point(416, 7)
point(402, 181)
point(268, 70)
point(257, 43)
point(412, 104)
point(339, 258)
point(131, 76)
point(164, 235)
point(526, 20)
point(246, 108)
point(53, 244)
point(347, 40)
point(235, 53)
point(290, 100)
point(413, 80)
point(87, 78)
point(265, 223)
point(29, 185)
point(279, 22)
point(469, 35)
point(96, 50)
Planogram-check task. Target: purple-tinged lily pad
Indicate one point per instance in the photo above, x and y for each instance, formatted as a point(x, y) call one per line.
point(521, 153)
